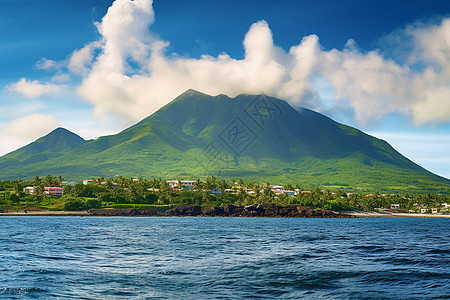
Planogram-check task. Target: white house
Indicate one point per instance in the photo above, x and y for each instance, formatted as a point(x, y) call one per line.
point(395, 206)
point(187, 184)
point(29, 190)
point(277, 189)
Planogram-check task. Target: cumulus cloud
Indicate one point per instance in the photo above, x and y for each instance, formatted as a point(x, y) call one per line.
point(129, 72)
point(49, 64)
point(31, 126)
point(81, 59)
point(33, 88)
point(24, 130)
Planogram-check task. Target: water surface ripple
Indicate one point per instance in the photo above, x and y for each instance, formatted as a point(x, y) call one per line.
point(195, 257)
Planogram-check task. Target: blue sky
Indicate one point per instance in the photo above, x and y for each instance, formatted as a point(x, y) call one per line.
point(97, 66)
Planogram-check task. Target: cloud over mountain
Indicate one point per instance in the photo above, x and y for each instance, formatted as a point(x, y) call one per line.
point(24, 130)
point(130, 73)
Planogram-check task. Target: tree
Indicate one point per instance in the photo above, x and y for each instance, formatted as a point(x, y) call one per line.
point(49, 180)
point(38, 190)
point(223, 185)
point(73, 203)
point(257, 190)
point(18, 185)
point(37, 181)
point(268, 194)
point(60, 181)
point(241, 183)
point(198, 185)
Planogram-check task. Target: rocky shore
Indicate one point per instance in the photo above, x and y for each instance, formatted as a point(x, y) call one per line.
point(256, 210)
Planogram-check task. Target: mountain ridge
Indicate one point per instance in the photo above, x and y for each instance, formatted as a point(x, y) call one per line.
point(252, 136)
point(57, 141)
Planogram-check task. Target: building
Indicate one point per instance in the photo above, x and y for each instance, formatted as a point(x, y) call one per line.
point(88, 181)
point(250, 191)
point(187, 184)
point(277, 189)
point(29, 190)
point(232, 191)
point(216, 192)
point(395, 206)
point(54, 191)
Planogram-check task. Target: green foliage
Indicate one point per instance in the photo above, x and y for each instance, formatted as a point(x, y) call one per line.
point(93, 203)
point(74, 203)
point(53, 144)
point(122, 192)
point(294, 147)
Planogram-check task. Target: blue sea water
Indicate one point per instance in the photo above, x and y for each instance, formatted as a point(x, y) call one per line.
point(204, 258)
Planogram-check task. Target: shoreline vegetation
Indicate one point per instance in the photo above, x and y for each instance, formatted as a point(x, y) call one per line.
point(211, 197)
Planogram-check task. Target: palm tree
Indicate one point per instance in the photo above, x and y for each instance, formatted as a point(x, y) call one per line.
point(17, 185)
point(60, 180)
point(223, 185)
point(166, 191)
point(268, 194)
point(49, 180)
point(37, 181)
point(241, 183)
point(198, 185)
point(289, 187)
point(257, 190)
point(38, 190)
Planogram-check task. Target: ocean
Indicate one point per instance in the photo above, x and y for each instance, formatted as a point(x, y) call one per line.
point(225, 258)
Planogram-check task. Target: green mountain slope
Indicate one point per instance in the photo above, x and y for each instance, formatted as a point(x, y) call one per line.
point(58, 142)
point(258, 138)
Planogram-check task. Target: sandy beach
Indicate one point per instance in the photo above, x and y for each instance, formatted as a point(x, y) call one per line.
point(44, 213)
point(370, 214)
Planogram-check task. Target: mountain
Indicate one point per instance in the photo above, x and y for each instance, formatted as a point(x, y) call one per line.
point(56, 143)
point(255, 137)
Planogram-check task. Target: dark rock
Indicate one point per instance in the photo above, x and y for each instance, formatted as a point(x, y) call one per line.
point(260, 210)
point(208, 211)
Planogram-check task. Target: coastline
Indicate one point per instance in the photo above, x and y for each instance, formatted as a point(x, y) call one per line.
point(371, 214)
point(236, 211)
point(46, 213)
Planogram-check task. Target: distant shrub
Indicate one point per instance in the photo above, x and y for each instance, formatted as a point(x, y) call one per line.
point(93, 203)
point(72, 203)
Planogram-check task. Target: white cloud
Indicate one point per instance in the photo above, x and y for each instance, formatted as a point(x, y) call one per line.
point(31, 126)
point(25, 130)
point(61, 77)
point(33, 88)
point(81, 59)
point(48, 64)
point(128, 72)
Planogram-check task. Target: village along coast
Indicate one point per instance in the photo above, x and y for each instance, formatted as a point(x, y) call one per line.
point(51, 196)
